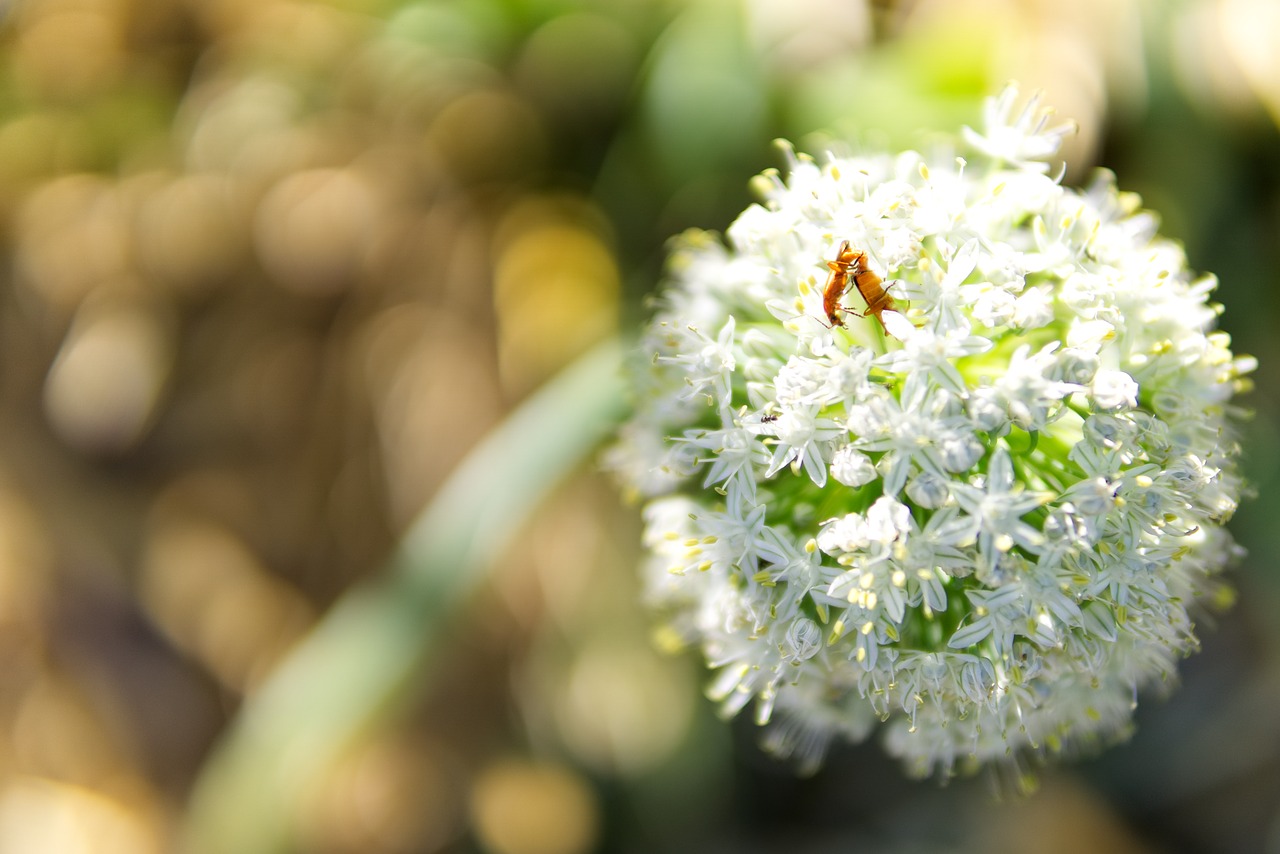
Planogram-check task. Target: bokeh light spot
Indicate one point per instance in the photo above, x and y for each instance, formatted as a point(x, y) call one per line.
point(519, 807)
point(103, 389)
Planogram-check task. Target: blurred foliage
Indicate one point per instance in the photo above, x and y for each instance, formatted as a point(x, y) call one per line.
point(273, 266)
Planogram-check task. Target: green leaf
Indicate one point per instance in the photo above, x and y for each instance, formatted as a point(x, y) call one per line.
point(377, 640)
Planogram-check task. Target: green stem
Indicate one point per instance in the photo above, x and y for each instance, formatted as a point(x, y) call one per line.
point(377, 640)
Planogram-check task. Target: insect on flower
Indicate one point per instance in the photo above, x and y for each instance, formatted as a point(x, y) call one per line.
point(883, 522)
point(847, 265)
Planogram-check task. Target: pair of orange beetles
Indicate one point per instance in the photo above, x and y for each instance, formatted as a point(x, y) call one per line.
point(849, 264)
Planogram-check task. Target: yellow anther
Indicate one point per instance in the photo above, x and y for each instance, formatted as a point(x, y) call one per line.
point(837, 632)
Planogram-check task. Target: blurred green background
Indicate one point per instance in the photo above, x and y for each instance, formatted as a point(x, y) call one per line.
point(272, 267)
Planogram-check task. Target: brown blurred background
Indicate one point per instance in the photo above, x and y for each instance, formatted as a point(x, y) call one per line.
point(272, 267)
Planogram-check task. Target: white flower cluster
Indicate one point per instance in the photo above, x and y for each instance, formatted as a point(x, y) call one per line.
point(983, 522)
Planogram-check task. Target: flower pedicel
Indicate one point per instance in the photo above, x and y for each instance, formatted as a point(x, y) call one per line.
point(980, 524)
